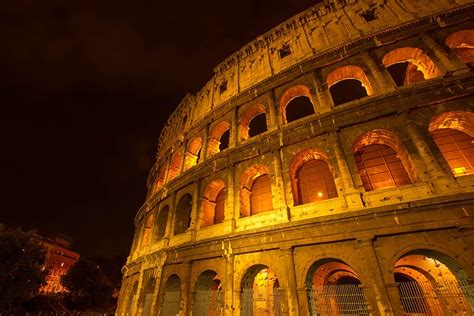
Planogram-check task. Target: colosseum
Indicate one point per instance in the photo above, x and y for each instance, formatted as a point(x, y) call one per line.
point(327, 168)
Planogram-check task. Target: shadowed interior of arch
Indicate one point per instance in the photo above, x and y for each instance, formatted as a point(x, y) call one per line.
point(224, 140)
point(347, 90)
point(298, 107)
point(260, 292)
point(258, 125)
point(405, 73)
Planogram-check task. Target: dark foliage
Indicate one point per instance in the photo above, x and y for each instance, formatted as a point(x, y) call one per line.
point(21, 268)
point(89, 287)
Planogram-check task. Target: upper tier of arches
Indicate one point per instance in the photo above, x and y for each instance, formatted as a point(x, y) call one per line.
point(346, 82)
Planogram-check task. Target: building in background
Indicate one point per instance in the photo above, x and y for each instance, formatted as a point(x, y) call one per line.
point(59, 259)
point(326, 169)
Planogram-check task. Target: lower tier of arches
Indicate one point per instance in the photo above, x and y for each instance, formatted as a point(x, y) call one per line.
point(416, 273)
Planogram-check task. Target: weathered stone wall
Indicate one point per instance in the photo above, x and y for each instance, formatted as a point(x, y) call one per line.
point(366, 232)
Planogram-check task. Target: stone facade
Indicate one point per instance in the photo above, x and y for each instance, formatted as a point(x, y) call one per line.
point(373, 241)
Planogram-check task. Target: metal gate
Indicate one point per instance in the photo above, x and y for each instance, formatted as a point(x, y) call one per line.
point(343, 299)
point(208, 302)
point(254, 304)
point(446, 297)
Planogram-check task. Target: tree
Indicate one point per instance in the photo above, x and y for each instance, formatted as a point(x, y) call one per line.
point(88, 286)
point(21, 267)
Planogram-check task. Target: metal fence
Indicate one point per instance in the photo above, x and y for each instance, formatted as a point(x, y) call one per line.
point(444, 297)
point(343, 299)
point(208, 302)
point(256, 304)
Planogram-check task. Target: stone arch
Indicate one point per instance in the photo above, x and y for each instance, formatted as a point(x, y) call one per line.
point(247, 180)
point(193, 154)
point(290, 98)
point(334, 286)
point(161, 178)
point(453, 134)
point(382, 160)
point(461, 44)
point(130, 298)
point(324, 188)
point(208, 295)
point(215, 143)
point(247, 117)
point(162, 222)
point(147, 234)
point(259, 291)
point(431, 282)
point(413, 60)
point(146, 299)
point(183, 214)
point(339, 77)
point(171, 296)
point(213, 204)
point(175, 165)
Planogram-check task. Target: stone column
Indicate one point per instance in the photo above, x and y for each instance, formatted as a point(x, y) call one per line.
point(195, 208)
point(394, 296)
point(382, 78)
point(351, 194)
point(231, 204)
point(437, 53)
point(186, 298)
point(169, 223)
point(234, 129)
point(288, 263)
point(278, 191)
point(272, 120)
point(277, 112)
point(377, 284)
point(156, 291)
point(229, 284)
point(136, 298)
point(204, 144)
point(322, 94)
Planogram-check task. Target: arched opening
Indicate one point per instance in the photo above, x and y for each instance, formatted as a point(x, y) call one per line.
point(255, 191)
point(408, 65)
point(432, 283)
point(160, 180)
point(381, 161)
point(299, 107)
point(213, 204)
point(252, 122)
point(147, 230)
point(453, 134)
point(183, 214)
point(260, 293)
point(348, 83)
point(334, 288)
point(162, 222)
point(146, 300)
point(295, 103)
point(461, 44)
point(171, 296)
point(175, 166)
point(193, 153)
point(258, 125)
point(311, 178)
point(219, 138)
point(261, 195)
point(208, 295)
point(130, 298)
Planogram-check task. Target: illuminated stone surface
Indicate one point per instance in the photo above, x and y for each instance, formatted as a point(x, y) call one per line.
point(364, 248)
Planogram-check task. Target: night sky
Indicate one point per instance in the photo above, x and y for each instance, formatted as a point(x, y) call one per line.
point(86, 86)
